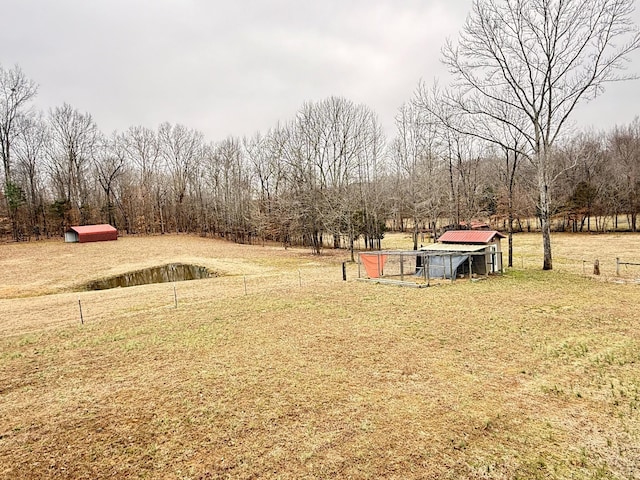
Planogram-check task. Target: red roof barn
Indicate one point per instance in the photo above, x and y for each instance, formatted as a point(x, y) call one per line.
point(91, 233)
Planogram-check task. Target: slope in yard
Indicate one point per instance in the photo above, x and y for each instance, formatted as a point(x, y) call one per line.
point(278, 369)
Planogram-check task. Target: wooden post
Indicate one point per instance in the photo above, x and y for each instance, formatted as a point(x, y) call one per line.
point(596, 267)
point(488, 261)
point(425, 264)
point(81, 317)
point(401, 267)
point(175, 296)
point(617, 266)
point(359, 272)
point(344, 271)
point(451, 268)
point(470, 267)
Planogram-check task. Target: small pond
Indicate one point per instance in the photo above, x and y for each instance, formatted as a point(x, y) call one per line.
point(173, 272)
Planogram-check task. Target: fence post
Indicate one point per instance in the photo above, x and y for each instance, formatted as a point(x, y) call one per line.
point(344, 271)
point(81, 317)
point(175, 295)
point(617, 266)
point(596, 267)
point(451, 268)
point(427, 276)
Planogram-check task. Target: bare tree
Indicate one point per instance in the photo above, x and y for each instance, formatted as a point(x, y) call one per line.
point(581, 185)
point(417, 167)
point(234, 190)
point(74, 138)
point(369, 197)
point(538, 60)
point(16, 90)
point(463, 155)
point(303, 200)
point(284, 154)
point(142, 150)
point(110, 163)
point(181, 150)
point(324, 154)
point(30, 147)
point(624, 145)
point(263, 154)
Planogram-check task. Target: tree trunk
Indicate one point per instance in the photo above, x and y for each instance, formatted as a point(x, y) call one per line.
point(510, 234)
point(510, 221)
point(545, 214)
point(351, 242)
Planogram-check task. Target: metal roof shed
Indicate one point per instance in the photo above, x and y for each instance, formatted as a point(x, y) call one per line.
point(476, 243)
point(91, 233)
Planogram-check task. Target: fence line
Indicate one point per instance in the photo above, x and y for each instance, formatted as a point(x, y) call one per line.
point(618, 263)
point(604, 267)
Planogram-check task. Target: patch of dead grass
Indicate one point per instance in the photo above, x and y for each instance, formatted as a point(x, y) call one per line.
point(529, 375)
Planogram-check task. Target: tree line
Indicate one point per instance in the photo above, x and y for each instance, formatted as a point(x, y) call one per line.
point(494, 145)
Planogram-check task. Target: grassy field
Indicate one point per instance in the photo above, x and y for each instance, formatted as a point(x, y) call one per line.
point(279, 369)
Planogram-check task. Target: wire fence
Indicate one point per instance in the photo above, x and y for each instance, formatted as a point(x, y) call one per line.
point(32, 314)
point(419, 268)
point(23, 315)
point(603, 267)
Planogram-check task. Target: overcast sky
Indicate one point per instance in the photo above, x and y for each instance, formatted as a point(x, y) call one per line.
point(237, 67)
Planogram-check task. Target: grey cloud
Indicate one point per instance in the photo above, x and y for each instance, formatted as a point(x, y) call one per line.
point(232, 67)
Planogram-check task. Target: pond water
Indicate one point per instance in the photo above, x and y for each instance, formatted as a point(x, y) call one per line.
point(173, 272)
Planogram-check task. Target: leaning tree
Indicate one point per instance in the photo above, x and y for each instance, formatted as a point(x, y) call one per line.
point(529, 63)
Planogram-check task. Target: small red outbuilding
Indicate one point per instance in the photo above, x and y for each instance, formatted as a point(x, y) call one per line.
point(91, 233)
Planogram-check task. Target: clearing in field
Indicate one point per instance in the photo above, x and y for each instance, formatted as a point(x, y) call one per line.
point(276, 368)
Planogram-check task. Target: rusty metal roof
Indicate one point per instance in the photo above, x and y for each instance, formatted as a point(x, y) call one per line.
point(453, 247)
point(469, 236)
point(93, 229)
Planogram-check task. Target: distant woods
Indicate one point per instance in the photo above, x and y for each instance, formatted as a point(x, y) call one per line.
point(312, 180)
point(327, 177)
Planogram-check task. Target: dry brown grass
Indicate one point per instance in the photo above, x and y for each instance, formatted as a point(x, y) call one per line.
point(529, 375)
